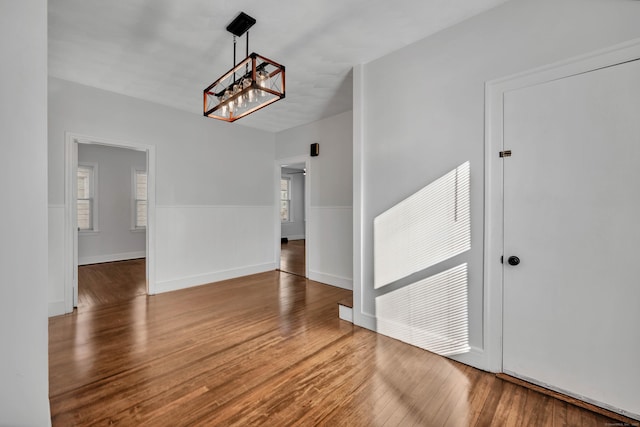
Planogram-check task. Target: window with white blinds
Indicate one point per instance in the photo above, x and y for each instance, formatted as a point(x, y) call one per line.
point(140, 199)
point(86, 198)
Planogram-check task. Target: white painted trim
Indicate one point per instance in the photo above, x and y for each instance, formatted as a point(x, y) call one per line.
point(111, 257)
point(494, 238)
point(295, 237)
point(214, 276)
point(279, 163)
point(330, 279)
point(476, 357)
point(71, 229)
point(360, 318)
point(345, 313)
point(70, 222)
point(57, 308)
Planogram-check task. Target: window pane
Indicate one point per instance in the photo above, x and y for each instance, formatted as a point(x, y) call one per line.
point(141, 213)
point(85, 197)
point(84, 214)
point(141, 185)
point(284, 210)
point(85, 174)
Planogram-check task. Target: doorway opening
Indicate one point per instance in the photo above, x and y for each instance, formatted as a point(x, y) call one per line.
point(293, 245)
point(111, 213)
point(109, 224)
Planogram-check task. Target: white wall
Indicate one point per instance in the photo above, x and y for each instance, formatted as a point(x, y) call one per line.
point(295, 228)
point(202, 206)
point(437, 121)
point(329, 221)
point(24, 382)
point(115, 239)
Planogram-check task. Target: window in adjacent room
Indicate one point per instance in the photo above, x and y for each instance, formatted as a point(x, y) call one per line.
point(86, 198)
point(139, 199)
point(285, 199)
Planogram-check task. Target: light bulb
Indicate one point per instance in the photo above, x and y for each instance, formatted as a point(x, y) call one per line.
point(263, 80)
point(248, 97)
point(236, 90)
point(225, 98)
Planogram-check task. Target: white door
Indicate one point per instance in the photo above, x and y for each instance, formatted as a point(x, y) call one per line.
point(571, 316)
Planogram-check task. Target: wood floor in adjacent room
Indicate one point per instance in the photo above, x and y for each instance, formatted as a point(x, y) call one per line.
point(292, 257)
point(266, 349)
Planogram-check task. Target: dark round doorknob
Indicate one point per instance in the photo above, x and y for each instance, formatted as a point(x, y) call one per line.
point(513, 260)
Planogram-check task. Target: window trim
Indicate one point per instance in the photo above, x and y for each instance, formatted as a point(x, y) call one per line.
point(95, 211)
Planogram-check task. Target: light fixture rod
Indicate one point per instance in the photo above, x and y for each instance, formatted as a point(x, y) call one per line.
point(247, 52)
point(234, 57)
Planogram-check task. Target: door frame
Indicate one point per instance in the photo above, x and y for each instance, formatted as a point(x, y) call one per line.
point(307, 208)
point(494, 178)
point(71, 226)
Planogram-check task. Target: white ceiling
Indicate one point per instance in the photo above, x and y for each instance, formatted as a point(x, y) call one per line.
point(168, 51)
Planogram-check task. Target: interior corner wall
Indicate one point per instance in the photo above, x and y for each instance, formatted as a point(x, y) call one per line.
point(437, 119)
point(330, 217)
point(24, 370)
point(115, 238)
point(211, 222)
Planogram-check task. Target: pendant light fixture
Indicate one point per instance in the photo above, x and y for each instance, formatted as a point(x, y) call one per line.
point(250, 85)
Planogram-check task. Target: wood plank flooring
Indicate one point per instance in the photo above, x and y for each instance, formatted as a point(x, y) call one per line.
point(110, 282)
point(292, 257)
point(267, 349)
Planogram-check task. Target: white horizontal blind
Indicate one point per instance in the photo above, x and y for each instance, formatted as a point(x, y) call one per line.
point(141, 199)
point(430, 314)
point(85, 192)
point(428, 227)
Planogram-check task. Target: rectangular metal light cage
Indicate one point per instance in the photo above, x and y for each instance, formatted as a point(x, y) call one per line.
point(252, 84)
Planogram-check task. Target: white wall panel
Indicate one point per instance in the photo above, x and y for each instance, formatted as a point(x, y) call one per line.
point(56, 260)
point(331, 261)
point(329, 222)
point(197, 162)
point(114, 241)
point(221, 242)
point(24, 380)
point(437, 121)
point(430, 313)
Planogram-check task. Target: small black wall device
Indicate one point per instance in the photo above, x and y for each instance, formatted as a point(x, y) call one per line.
point(315, 149)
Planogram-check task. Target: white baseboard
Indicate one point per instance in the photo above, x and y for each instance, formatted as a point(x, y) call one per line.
point(365, 320)
point(111, 257)
point(296, 237)
point(56, 308)
point(345, 313)
point(216, 276)
point(330, 279)
point(475, 357)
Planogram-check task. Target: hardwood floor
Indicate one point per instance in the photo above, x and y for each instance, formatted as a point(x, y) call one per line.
point(292, 257)
point(110, 282)
point(267, 349)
